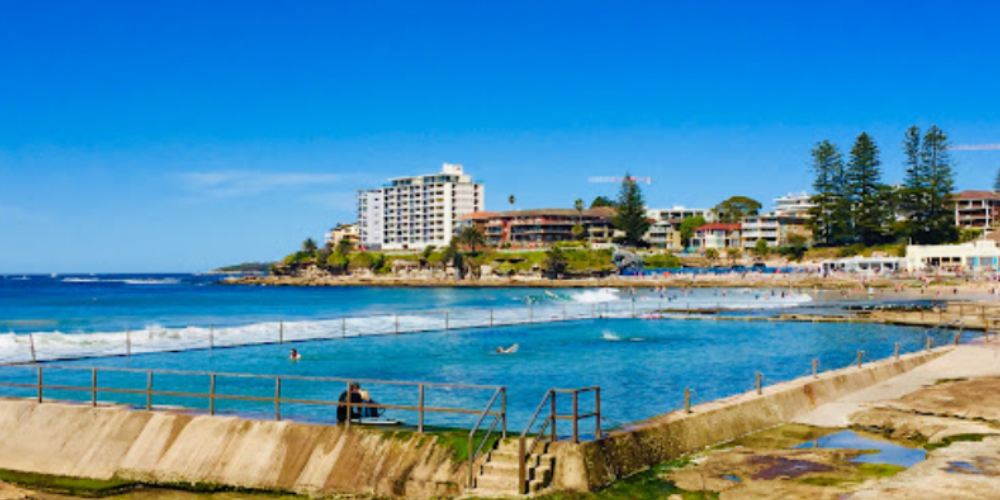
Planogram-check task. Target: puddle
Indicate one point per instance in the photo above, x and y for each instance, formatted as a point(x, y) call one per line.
point(732, 478)
point(962, 468)
point(885, 452)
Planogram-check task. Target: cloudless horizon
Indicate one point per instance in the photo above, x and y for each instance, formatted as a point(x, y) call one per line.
point(184, 136)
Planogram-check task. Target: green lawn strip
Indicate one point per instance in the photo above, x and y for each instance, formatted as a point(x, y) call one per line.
point(973, 438)
point(81, 487)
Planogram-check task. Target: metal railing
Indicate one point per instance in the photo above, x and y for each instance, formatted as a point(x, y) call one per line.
point(277, 400)
point(525, 449)
point(501, 417)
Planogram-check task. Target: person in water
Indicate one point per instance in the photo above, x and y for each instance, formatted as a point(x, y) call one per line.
point(510, 350)
point(294, 355)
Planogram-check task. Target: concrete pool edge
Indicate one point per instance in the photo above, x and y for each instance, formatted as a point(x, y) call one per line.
point(595, 464)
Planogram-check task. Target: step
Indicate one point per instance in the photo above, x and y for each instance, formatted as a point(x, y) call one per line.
point(499, 456)
point(502, 483)
point(505, 469)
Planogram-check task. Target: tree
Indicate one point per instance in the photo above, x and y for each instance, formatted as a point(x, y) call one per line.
point(735, 208)
point(579, 232)
point(344, 247)
point(796, 248)
point(687, 227)
point(760, 248)
point(940, 223)
point(829, 215)
point(868, 195)
point(734, 254)
point(556, 262)
point(452, 255)
point(630, 217)
point(337, 261)
point(425, 255)
point(511, 200)
point(602, 201)
point(969, 234)
point(309, 246)
point(712, 255)
point(472, 237)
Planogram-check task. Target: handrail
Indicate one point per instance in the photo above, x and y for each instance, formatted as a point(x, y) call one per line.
point(474, 455)
point(525, 450)
point(277, 399)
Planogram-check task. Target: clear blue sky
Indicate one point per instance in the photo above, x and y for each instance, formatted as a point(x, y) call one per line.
point(179, 136)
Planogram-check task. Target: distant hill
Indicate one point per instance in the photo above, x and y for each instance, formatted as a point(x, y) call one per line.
point(244, 268)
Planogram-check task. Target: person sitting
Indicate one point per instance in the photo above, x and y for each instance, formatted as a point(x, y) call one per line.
point(354, 396)
point(510, 350)
point(294, 355)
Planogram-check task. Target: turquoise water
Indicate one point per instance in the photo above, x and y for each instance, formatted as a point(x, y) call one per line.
point(642, 365)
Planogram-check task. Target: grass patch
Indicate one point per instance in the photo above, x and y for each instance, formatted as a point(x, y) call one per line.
point(864, 473)
point(81, 487)
point(782, 437)
point(458, 442)
point(949, 380)
point(968, 438)
point(879, 470)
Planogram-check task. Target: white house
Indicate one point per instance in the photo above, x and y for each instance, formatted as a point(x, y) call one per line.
point(976, 255)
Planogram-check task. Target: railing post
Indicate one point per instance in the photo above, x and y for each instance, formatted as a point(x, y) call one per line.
point(503, 409)
point(128, 342)
point(446, 320)
point(31, 339)
point(687, 400)
point(860, 353)
point(396, 319)
point(343, 327)
point(277, 399)
point(928, 342)
point(349, 406)
point(553, 415)
point(93, 387)
point(896, 351)
point(522, 475)
point(472, 462)
point(149, 390)
point(815, 368)
point(633, 306)
point(958, 337)
point(597, 409)
point(211, 337)
point(576, 416)
point(211, 394)
point(420, 404)
point(40, 384)
point(281, 332)
point(491, 317)
point(759, 391)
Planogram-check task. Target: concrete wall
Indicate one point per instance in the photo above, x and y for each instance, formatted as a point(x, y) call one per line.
point(101, 443)
point(660, 439)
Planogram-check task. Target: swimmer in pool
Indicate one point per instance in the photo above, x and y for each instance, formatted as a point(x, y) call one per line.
point(294, 355)
point(510, 350)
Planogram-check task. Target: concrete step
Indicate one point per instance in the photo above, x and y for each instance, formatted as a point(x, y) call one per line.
point(501, 456)
point(500, 483)
point(512, 470)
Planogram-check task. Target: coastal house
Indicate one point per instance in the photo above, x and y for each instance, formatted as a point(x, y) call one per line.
point(774, 229)
point(977, 210)
point(347, 232)
point(972, 256)
point(411, 213)
point(666, 234)
point(541, 227)
point(717, 235)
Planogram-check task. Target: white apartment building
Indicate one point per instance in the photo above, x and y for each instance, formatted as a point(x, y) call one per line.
point(411, 213)
point(793, 205)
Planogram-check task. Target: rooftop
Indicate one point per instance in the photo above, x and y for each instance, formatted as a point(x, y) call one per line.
point(977, 195)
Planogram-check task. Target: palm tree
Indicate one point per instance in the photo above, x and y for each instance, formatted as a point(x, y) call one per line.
point(578, 205)
point(511, 200)
point(309, 246)
point(472, 237)
point(712, 255)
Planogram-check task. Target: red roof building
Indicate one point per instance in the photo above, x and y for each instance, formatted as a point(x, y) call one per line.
point(717, 235)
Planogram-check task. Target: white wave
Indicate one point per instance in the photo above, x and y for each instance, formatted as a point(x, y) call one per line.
point(21, 278)
point(596, 296)
point(150, 281)
point(80, 280)
point(610, 336)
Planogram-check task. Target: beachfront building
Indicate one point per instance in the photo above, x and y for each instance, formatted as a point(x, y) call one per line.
point(411, 213)
point(865, 265)
point(977, 210)
point(794, 205)
point(774, 229)
point(542, 227)
point(347, 232)
point(972, 256)
point(664, 228)
point(717, 235)
point(678, 212)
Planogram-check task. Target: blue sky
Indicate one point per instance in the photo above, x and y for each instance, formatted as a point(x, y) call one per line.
point(186, 135)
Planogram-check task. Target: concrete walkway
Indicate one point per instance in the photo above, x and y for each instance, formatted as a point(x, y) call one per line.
point(965, 361)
